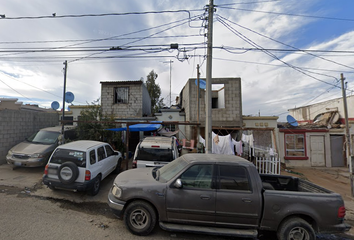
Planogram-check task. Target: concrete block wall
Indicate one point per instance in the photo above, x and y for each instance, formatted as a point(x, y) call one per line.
point(230, 115)
point(16, 125)
point(134, 107)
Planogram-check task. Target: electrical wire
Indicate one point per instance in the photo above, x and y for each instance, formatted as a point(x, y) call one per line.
point(307, 52)
point(237, 33)
point(291, 14)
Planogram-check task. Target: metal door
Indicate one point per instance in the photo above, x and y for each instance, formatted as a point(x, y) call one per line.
point(317, 149)
point(337, 150)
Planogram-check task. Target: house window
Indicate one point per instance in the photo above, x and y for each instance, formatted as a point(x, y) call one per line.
point(218, 96)
point(121, 94)
point(295, 145)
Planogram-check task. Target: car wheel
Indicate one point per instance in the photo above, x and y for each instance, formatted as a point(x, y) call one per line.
point(140, 218)
point(68, 172)
point(118, 166)
point(296, 229)
point(96, 186)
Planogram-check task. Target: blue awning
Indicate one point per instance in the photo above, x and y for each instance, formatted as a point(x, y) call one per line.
point(144, 127)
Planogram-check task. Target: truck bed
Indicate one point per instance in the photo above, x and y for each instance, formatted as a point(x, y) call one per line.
point(289, 183)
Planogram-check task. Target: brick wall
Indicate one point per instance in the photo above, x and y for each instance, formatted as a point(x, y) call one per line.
point(16, 125)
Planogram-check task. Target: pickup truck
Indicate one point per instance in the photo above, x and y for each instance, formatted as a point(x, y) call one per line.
point(223, 195)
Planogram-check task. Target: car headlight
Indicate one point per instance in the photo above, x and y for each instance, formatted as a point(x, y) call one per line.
point(116, 191)
point(37, 155)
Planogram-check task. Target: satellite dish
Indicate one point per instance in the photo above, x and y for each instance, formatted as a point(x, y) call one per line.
point(202, 83)
point(55, 105)
point(69, 97)
point(292, 121)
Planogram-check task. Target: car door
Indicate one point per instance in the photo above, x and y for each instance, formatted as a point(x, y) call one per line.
point(195, 201)
point(102, 161)
point(94, 164)
point(112, 159)
point(237, 203)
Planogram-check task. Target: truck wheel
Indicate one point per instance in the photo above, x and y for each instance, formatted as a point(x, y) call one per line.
point(140, 218)
point(296, 229)
point(96, 186)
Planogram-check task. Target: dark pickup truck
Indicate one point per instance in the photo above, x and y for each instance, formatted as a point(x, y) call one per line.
point(224, 195)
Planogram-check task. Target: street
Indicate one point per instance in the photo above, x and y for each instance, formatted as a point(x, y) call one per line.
point(29, 210)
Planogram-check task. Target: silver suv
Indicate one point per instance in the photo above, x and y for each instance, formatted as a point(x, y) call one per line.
point(81, 165)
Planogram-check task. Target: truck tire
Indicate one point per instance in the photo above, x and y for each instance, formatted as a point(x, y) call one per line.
point(296, 228)
point(68, 172)
point(140, 218)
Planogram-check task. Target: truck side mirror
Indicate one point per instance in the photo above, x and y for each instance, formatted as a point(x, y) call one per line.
point(178, 183)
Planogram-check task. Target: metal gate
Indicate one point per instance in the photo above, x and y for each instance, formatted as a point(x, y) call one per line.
point(268, 165)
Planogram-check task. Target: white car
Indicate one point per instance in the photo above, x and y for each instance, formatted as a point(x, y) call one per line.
point(81, 165)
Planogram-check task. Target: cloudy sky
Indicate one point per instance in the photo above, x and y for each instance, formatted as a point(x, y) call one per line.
point(288, 53)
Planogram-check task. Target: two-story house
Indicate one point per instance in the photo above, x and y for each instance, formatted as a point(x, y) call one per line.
point(126, 102)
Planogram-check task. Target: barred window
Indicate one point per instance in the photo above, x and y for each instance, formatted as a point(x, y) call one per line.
point(295, 145)
point(121, 94)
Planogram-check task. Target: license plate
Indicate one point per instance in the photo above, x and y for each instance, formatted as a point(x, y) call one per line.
point(52, 171)
point(17, 163)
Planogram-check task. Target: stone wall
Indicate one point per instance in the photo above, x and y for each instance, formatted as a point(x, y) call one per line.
point(16, 125)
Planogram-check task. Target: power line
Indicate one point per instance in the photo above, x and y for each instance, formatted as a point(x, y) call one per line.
point(237, 33)
point(276, 65)
point(54, 16)
point(307, 52)
point(291, 14)
point(93, 40)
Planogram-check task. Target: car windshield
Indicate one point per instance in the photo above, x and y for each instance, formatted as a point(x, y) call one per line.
point(44, 137)
point(167, 172)
point(66, 155)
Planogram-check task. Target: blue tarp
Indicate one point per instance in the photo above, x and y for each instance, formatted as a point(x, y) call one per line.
point(138, 127)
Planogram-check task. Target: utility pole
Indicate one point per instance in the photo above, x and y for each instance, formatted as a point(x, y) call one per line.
point(208, 120)
point(62, 123)
point(347, 136)
point(170, 62)
point(198, 101)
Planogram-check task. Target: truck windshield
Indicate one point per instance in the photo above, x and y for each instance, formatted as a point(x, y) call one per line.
point(154, 154)
point(44, 137)
point(167, 172)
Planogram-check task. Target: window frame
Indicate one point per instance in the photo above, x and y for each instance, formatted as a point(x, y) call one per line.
point(286, 149)
point(219, 178)
point(125, 98)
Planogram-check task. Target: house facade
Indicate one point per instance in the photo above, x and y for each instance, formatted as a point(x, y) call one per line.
point(125, 99)
point(319, 140)
point(226, 106)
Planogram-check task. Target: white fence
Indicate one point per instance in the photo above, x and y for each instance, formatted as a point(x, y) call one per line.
point(269, 165)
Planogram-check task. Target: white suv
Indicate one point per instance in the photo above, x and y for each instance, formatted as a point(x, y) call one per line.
point(81, 166)
point(155, 152)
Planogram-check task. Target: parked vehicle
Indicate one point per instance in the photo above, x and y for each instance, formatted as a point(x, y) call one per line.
point(81, 166)
point(155, 152)
point(36, 149)
point(223, 195)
